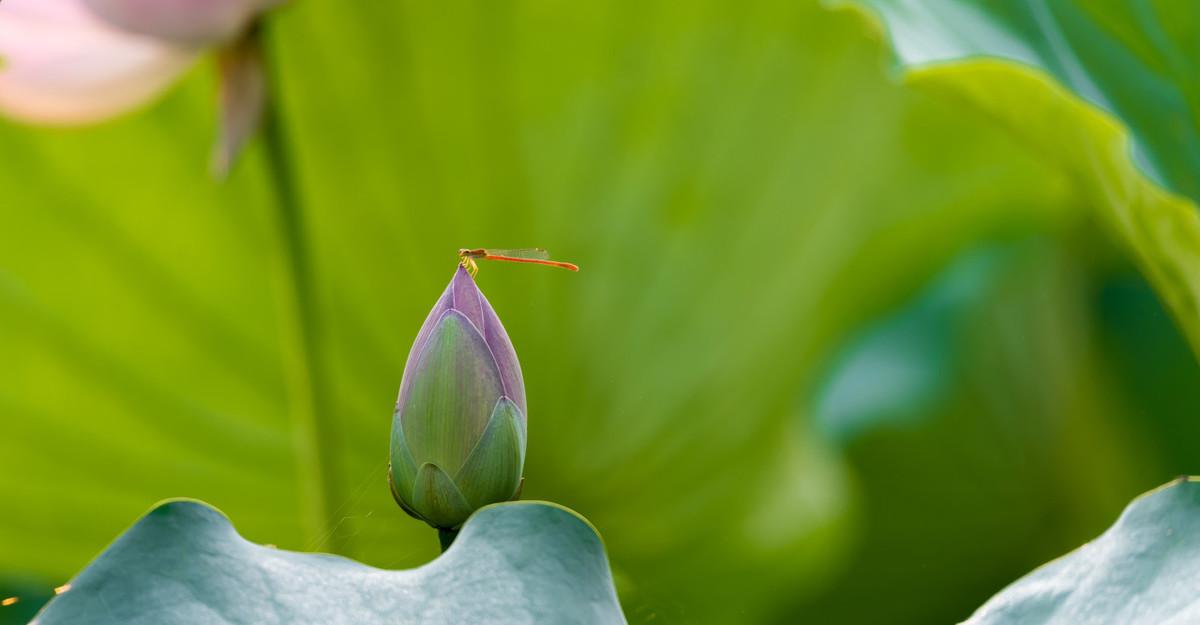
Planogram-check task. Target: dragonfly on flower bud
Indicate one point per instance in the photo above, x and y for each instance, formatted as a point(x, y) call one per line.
point(535, 255)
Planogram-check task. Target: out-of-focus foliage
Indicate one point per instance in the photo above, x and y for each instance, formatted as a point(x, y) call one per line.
point(1123, 399)
point(749, 197)
point(903, 365)
point(1139, 571)
point(1028, 450)
point(185, 564)
point(1106, 90)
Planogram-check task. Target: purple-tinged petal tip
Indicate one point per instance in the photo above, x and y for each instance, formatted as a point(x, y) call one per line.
point(474, 305)
point(506, 356)
point(467, 299)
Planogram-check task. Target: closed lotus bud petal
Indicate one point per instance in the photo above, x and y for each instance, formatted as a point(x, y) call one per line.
point(187, 22)
point(458, 434)
point(61, 64)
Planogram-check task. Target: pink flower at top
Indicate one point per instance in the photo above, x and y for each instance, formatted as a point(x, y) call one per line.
point(68, 62)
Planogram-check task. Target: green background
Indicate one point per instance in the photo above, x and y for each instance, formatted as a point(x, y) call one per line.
point(841, 349)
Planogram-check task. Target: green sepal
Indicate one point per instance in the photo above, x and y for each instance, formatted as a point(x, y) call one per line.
point(400, 500)
point(402, 471)
point(492, 471)
point(437, 499)
point(519, 422)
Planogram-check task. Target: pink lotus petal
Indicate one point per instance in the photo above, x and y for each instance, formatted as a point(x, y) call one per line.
point(188, 22)
point(60, 64)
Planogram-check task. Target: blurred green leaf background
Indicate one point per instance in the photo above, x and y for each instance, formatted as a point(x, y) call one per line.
point(836, 335)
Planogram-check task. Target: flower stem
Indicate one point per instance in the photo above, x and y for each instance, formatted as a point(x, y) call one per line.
point(446, 538)
point(314, 435)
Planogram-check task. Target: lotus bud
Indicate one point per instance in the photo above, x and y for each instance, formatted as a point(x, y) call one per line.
point(458, 433)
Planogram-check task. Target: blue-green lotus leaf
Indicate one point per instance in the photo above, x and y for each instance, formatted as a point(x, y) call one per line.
point(184, 564)
point(1143, 571)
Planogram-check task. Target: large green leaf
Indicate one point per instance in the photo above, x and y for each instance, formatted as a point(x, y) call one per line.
point(739, 183)
point(184, 563)
point(1105, 91)
point(1143, 570)
point(1024, 442)
point(718, 172)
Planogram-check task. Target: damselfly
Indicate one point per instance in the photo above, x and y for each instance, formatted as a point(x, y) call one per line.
point(535, 255)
